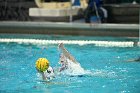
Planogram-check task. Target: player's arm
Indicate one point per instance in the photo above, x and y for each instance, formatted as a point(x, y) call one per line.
point(66, 53)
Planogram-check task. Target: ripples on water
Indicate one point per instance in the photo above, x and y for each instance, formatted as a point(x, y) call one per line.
point(101, 69)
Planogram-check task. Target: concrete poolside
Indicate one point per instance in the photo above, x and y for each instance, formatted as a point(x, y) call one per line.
point(61, 28)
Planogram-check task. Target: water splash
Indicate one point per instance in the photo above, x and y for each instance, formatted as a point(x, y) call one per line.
point(77, 70)
point(74, 69)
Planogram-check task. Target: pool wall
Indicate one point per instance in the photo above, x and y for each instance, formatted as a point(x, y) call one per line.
point(123, 30)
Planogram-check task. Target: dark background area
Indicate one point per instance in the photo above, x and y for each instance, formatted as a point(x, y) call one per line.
point(18, 10)
point(120, 1)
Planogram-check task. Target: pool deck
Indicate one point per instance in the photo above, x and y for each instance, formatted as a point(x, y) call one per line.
point(61, 28)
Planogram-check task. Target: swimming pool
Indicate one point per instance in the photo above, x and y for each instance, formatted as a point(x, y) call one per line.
point(109, 70)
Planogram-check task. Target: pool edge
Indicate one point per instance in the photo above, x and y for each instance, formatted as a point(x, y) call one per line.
point(60, 28)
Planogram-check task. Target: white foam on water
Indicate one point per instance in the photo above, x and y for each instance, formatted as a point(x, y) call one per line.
point(77, 70)
point(138, 44)
point(103, 73)
point(74, 69)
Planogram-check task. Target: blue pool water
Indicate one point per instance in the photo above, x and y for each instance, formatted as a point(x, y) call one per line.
point(110, 72)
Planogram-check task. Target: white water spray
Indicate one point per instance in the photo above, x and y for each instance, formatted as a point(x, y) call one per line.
point(74, 69)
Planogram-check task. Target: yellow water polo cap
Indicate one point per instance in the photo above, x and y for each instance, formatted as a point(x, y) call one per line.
point(42, 64)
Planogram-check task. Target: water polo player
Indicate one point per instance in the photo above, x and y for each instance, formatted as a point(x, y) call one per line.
point(44, 69)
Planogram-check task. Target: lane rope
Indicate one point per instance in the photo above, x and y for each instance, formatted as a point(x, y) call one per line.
point(80, 42)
